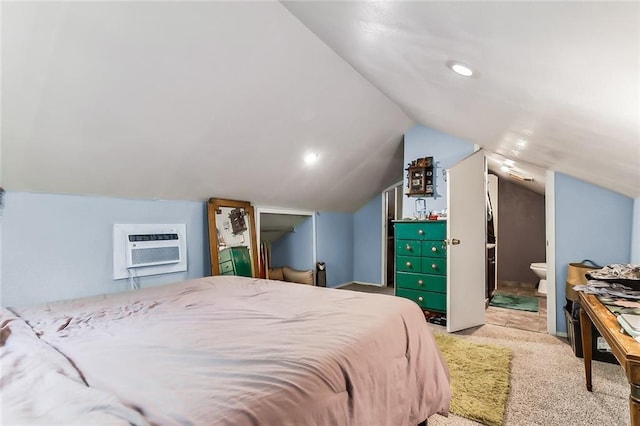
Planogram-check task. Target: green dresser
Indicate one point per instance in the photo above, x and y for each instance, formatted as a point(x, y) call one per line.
point(235, 261)
point(421, 263)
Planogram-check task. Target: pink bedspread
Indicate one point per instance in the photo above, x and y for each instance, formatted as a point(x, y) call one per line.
point(224, 351)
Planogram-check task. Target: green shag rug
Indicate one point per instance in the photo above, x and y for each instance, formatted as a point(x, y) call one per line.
point(511, 301)
point(479, 376)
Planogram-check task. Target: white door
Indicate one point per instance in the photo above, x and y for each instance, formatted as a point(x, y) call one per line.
point(466, 237)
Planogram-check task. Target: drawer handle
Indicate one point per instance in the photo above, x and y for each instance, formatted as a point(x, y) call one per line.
point(434, 249)
point(434, 266)
point(420, 231)
point(409, 264)
point(420, 298)
point(420, 282)
point(408, 248)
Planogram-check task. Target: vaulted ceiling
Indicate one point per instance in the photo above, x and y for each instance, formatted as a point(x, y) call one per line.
point(557, 84)
point(187, 100)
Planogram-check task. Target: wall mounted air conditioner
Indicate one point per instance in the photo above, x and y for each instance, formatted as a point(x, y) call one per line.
point(148, 249)
point(151, 249)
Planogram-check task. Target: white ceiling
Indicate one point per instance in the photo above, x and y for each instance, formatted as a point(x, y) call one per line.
point(171, 100)
point(562, 76)
point(177, 100)
point(275, 225)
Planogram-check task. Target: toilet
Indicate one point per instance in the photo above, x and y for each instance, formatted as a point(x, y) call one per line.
point(540, 269)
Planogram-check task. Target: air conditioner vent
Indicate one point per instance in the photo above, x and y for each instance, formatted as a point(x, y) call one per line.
point(154, 256)
point(140, 250)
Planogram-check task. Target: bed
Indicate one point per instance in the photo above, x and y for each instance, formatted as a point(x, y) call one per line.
point(222, 350)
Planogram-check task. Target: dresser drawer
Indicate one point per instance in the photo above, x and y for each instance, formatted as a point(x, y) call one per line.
point(224, 255)
point(425, 299)
point(408, 247)
point(434, 283)
point(226, 267)
point(433, 249)
point(421, 230)
point(408, 264)
point(434, 265)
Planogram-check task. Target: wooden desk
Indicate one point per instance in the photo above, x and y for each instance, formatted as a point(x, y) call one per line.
point(624, 347)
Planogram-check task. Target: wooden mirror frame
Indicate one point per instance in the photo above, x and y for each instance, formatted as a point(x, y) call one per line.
point(215, 204)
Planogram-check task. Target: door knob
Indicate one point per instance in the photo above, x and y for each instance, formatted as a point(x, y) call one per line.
point(420, 282)
point(420, 231)
point(409, 264)
point(434, 249)
point(455, 241)
point(408, 247)
point(434, 266)
point(420, 299)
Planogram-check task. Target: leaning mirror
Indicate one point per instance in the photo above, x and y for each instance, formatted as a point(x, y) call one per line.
point(232, 245)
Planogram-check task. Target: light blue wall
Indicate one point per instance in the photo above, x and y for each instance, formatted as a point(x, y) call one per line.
point(335, 246)
point(349, 244)
point(58, 247)
point(295, 249)
point(591, 223)
point(367, 242)
point(446, 151)
point(635, 239)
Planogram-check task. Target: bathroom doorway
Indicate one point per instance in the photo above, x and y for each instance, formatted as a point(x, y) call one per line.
point(517, 300)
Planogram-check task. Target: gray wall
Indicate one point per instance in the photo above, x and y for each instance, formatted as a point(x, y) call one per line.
point(58, 247)
point(295, 249)
point(591, 223)
point(521, 232)
point(349, 244)
point(446, 151)
point(335, 246)
point(367, 242)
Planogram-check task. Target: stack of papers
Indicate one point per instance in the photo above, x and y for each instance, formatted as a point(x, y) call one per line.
point(602, 288)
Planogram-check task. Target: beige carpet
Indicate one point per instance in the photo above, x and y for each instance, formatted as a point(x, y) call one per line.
point(547, 383)
point(479, 378)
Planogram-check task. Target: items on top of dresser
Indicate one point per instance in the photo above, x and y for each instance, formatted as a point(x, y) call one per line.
point(420, 177)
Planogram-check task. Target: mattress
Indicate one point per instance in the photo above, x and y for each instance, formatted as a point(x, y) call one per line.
point(222, 350)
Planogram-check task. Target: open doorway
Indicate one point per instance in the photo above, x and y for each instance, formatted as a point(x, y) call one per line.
point(391, 210)
point(518, 296)
point(286, 238)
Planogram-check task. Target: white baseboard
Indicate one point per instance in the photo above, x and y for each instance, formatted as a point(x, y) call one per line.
point(358, 282)
point(365, 283)
point(343, 284)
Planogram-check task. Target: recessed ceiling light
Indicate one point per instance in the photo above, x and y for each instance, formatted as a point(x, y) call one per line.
point(505, 169)
point(509, 163)
point(521, 143)
point(311, 158)
point(460, 69)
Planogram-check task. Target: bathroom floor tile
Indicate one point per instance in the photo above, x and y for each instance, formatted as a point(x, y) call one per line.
point(522, 320)
point(525, 292)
